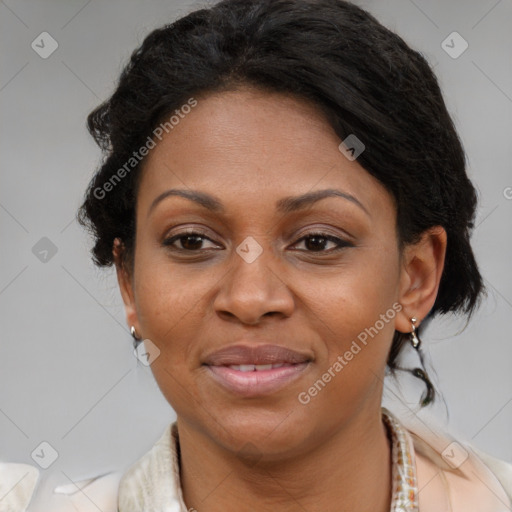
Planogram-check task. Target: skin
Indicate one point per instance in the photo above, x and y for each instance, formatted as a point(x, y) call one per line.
point(251, 148)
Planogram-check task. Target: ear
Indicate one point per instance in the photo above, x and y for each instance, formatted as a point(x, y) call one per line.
point(420, 275)
point(125, 281)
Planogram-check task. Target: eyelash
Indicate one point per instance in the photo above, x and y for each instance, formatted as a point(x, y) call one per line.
point(341, 244)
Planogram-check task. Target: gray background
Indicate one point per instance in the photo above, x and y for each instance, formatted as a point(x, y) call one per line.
point(68, 375)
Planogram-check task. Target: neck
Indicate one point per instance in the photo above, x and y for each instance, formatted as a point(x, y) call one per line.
point(350, 470)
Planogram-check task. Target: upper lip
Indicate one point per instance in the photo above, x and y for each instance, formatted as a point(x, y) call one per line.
point(255, 354)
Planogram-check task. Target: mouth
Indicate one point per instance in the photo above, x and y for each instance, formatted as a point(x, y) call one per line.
point(251, 371)
point(251, 380)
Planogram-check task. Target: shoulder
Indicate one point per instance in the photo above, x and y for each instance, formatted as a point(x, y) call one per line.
point(90, 495)
point(153, 481)
point(20, 487)
point(501, 469)
point(17, 485)
point(458, 472)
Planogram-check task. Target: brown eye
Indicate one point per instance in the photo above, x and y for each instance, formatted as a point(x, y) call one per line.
point(189, 241)
point(317, 242)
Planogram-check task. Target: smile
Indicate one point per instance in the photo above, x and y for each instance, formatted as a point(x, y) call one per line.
point(253, 380)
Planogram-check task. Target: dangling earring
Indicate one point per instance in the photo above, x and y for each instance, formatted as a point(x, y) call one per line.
point(420, 373)
point(415, 341)
point(134, 334)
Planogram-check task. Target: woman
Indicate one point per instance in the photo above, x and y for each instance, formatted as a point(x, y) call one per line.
point(285, 200)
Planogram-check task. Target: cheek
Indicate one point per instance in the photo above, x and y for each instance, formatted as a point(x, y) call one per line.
point(170, 309)
point(169, 304)
point(166, 291)
point(357, 329)
point(355, 312)
point(353, 296)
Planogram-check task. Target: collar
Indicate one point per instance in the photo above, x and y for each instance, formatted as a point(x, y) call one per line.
point(404, 481)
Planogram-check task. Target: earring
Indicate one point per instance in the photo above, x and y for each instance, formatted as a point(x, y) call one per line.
point(415, 341)
point(134, 334)
point(420, 373)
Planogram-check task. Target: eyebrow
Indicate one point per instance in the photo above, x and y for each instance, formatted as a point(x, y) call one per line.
point(285, 205)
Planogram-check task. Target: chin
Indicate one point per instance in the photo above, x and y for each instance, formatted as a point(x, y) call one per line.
point(259, 433)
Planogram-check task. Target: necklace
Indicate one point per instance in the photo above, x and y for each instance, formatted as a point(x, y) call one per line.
point(404, 481)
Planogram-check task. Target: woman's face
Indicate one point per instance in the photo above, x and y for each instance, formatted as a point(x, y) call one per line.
point(265, 273)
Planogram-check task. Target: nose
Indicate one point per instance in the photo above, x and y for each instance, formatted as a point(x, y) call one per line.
point(251, 290)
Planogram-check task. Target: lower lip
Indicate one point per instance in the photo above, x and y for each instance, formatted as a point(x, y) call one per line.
point(256, 383)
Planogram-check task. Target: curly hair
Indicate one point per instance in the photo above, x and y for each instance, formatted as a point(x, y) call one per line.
point(332, 53)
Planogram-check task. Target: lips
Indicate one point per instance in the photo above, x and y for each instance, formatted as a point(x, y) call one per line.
point(251, 371)
point(255, 355)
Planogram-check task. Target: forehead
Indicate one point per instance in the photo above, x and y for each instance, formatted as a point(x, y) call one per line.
point(248, 144)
